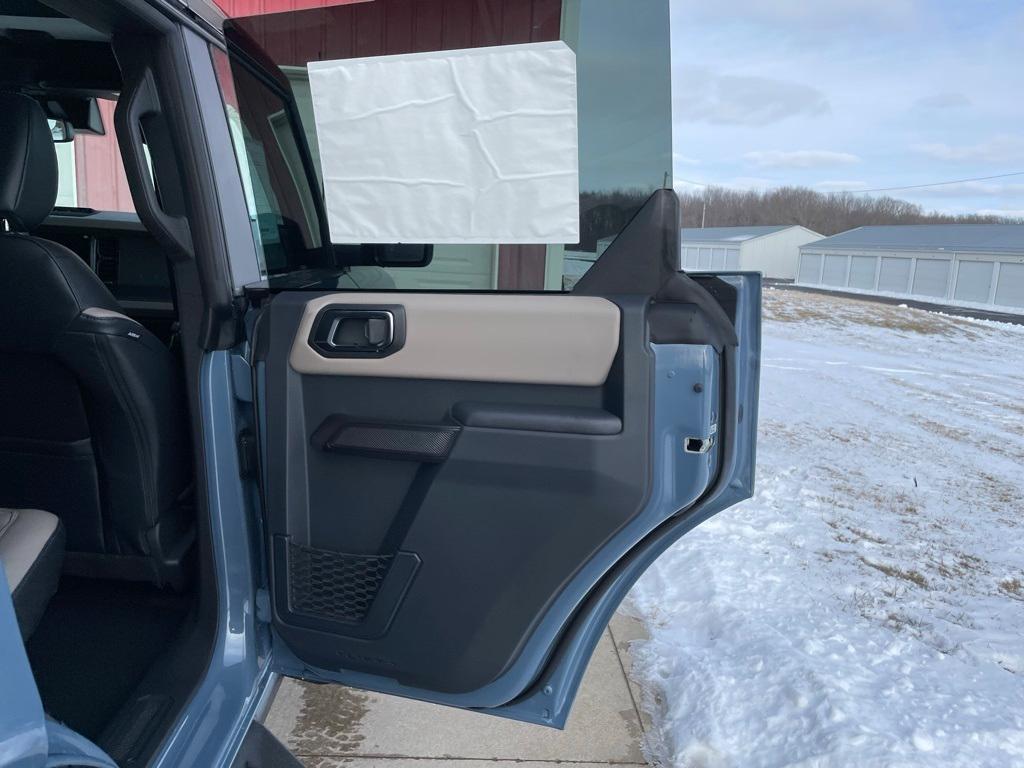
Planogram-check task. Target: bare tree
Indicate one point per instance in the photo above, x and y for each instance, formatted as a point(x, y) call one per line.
point(824, 213)
point(605, 213)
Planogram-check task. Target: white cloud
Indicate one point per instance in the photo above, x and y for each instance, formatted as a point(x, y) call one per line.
point(800, 158)
point(710, 97)
point(687, 185)
point(999, 149)
point(749, 182)
point(794, 16)
point(681, 159)
point(945, 100)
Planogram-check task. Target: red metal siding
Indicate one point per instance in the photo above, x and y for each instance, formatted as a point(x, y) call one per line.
point(384, 27)
point(521, 267)
point(99, 174)
point(259, 7)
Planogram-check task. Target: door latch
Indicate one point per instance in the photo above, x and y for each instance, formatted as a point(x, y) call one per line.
point(698, 444)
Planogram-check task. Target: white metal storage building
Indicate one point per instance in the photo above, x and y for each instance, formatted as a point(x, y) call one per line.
point(978, 265)
point(771, 250)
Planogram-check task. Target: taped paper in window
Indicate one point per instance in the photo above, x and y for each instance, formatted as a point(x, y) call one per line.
point(469, 146)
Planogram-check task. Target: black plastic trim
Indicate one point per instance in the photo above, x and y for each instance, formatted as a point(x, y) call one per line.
point(261, 749)
point(323, 324)
point(566, 419)
point(425, 443)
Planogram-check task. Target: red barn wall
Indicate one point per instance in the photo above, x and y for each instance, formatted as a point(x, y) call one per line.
point(383, 27)
point(100, 182)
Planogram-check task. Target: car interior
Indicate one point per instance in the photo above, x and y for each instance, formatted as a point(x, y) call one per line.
point(98, 523)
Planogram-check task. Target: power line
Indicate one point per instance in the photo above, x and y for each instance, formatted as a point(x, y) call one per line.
point(933, 184)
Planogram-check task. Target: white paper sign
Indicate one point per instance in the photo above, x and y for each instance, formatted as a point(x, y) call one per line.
point(469, 146)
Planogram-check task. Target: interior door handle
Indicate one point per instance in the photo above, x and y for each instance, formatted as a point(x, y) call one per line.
point(358, 331)
point(369, 330)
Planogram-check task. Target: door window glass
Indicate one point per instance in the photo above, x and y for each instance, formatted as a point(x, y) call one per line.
point(623, 65)
point(90, 173)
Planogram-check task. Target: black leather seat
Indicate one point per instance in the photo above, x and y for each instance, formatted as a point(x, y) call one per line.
point(93, 423)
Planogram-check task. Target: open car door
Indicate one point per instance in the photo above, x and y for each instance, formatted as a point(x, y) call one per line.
point(460, 488)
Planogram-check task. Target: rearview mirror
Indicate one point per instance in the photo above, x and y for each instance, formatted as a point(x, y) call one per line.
point(61, 131)
point(401, 255)
point(384, 255)
point(73, 114)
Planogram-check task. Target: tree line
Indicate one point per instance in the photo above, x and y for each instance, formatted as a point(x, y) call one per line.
point(826, 213)
point(605, 213)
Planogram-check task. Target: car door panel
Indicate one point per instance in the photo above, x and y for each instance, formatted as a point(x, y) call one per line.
point(439, 517)
point(496, 526)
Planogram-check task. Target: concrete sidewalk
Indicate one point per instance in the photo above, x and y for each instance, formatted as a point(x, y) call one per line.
point(328, 725)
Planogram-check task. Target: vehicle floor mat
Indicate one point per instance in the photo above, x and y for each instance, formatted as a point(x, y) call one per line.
point(94, 644)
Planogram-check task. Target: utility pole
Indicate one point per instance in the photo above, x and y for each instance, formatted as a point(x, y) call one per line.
point(703, 213)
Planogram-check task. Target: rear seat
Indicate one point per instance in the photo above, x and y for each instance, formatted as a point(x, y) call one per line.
point(32, 551)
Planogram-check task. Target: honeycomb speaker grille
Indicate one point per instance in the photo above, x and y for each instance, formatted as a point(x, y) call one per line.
point(332, 585)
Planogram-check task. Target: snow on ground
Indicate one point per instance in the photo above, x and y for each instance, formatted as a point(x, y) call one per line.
point(866, 607)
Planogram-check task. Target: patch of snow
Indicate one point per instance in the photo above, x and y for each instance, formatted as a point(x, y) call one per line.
point(866, 607)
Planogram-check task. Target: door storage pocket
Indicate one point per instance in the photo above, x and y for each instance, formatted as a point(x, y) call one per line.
point(332, 585)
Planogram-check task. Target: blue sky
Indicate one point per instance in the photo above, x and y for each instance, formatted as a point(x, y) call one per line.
point(853, 95)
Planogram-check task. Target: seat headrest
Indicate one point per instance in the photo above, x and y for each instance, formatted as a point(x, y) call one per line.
point(28, 163)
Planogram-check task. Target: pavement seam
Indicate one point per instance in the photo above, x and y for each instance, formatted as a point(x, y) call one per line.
point(625, 679)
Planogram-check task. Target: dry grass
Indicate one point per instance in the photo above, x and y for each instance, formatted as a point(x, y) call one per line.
point(796, 307)
point(1013, 587)
point(898, 621)
point(969, 441)
point(893, 571)
point(902, 504)
point(1001, 491)
point(866, 535)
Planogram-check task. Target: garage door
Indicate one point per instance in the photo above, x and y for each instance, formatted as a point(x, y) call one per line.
point(834, 272)
point(862, 272)
point(1010, 289)
point(974, 281)
point(454, 268)
point(810, 268)
point(894, 275)
point(931, 277)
